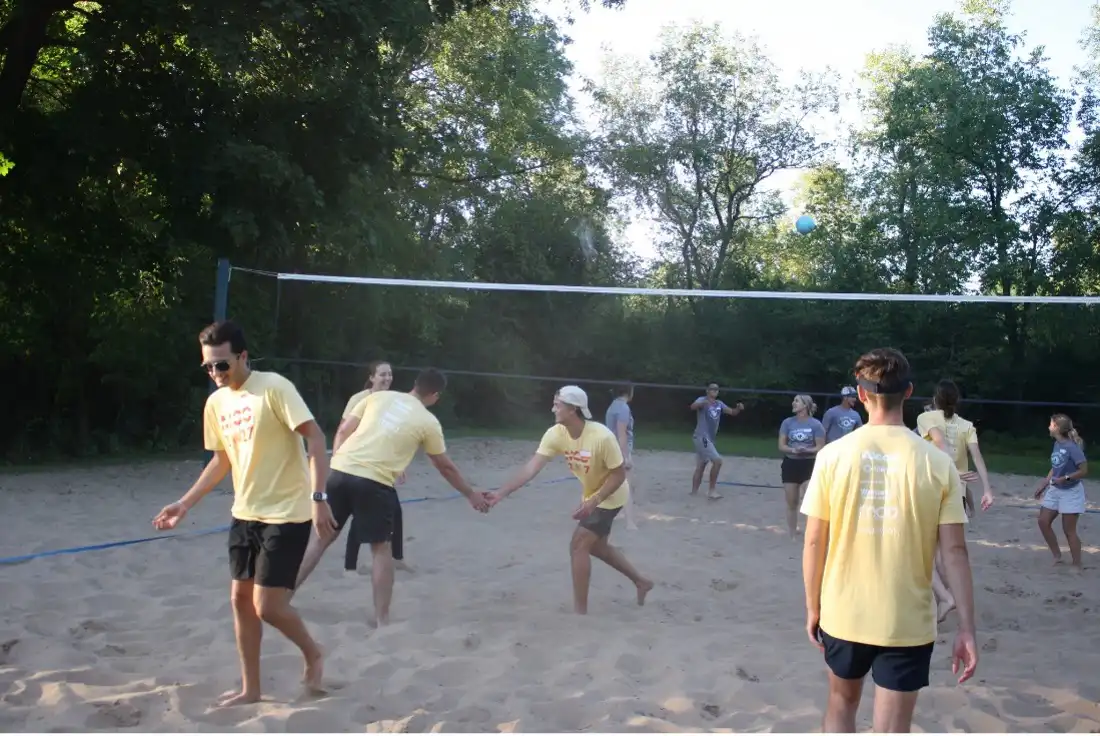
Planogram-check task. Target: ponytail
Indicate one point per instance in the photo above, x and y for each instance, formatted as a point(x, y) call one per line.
point(1066, 429)
point(946, 398)
point(1077, 438)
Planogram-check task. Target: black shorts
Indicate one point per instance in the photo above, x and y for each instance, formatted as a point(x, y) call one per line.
point(269, 554)
point(371, 506)
point(903, 669)
point(599, 521)
point(797, 471)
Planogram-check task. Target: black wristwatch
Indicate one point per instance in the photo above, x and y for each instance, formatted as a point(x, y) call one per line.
point(319, 496)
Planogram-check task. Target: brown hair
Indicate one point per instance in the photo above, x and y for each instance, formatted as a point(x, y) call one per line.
point(946, 398)
point(885, 366)
point(1065, 428)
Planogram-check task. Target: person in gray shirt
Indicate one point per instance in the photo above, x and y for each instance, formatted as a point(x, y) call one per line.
point(842, 418)
point(800, 437)
point(708, 412)
point(620, 420)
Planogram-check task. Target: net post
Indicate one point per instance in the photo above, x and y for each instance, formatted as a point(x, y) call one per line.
point(221, 307)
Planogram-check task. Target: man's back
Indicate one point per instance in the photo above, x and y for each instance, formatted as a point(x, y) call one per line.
point(884, 493)
point(392, 427)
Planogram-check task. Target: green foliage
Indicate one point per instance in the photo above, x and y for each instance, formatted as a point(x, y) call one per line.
point(142, 141)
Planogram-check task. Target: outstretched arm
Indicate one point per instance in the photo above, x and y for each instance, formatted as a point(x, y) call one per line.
point(213, 474)
point(450, 472)
point(698, 404)
point(347, 427)
point(733, 410)
point(938, 439)
point(522, 477)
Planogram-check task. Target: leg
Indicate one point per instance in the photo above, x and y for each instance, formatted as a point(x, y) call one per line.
point(697, 478)
point(273, 607)
point(900, 673)
point(1046, 519)
point(249, 632)
point(1069, 526)
point(313, 554)
point(580, 548)
point(894, 710)
point(840, 712)
point(277, 571)
point(715, 468)
point(351, 554)
point(631, 521)
point(397, 544)
point(381, 579)
point(602, 550)
point(790, 490)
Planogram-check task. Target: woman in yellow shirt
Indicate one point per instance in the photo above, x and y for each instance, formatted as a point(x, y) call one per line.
point(941, 425)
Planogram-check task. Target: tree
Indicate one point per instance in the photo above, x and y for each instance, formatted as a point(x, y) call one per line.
point(694, 135)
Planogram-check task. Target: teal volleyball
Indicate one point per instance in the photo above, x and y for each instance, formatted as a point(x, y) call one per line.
point(805, 224)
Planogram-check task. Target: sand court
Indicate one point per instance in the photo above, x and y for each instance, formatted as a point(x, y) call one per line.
point(140, 637)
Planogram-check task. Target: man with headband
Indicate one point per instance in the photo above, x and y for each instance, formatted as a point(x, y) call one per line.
point(879, 504)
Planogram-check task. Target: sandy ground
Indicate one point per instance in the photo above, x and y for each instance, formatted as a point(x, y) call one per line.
point(140, 637)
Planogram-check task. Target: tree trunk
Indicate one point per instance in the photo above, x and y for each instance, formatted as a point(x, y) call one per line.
point(21, 40)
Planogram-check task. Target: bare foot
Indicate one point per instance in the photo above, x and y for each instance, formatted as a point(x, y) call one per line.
point(943, 609)
point(694, 491)
point(314, 674)
point(714, 495)
point(631, 526)
point(236, 697)
point(1057, 560)
point(643, 589)
point(402, 565)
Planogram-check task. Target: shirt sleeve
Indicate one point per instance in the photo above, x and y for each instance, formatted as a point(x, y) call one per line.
point(352, 403)
point(288, 404)
point(433, 438)
point(951, 502)
point(784, 425)
point(359, 409)
point(550, 446)
point(819, 429)
point(610, 453)
point(816, 501)
point(211, 428)
point(859, 420)
point(828, 419)
point(972, 435)
point(925, 423)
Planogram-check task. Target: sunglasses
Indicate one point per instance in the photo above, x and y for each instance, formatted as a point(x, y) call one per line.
point(217, 366)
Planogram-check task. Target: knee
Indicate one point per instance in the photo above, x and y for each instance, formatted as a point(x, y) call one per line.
point(844, 699)
point(269, 609)
point(241, 599)
point(1044, 524)
point(579, 546)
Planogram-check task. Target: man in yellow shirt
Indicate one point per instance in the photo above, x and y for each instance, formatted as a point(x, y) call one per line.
point(254, 424)
point(594, 457)
point(374, 445)
point(879, 504)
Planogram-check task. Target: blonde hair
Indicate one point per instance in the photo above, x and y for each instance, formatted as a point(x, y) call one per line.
point(1064, 425)
point(808, 402)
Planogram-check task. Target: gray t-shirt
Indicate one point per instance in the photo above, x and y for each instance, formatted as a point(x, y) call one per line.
point(707, 419)
point(839, 421)
point(1065, 458)
point(619, 412)
point(801, 433)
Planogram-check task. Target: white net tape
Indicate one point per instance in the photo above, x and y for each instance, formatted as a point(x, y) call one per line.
point(639, 291)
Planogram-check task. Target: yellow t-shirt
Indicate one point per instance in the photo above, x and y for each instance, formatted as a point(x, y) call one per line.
point(958, 433)
point(255, 426)
point(884, 492)
point(392, 427)
point(590, 457)
point(354, 401)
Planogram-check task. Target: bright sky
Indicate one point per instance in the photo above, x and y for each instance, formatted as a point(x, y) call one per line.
point(807, 34)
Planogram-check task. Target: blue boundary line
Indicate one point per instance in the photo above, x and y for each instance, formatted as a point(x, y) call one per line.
point(202, 532)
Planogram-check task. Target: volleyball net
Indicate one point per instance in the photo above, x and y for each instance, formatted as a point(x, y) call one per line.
point(505, 347)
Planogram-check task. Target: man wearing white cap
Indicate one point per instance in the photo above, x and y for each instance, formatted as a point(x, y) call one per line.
point(594, 457)
point(842, 418)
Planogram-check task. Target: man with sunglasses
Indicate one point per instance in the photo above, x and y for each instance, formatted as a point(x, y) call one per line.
point(254, 424)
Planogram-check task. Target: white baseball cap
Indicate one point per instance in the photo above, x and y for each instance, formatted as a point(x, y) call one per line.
point(848, 391)
point(575, 396)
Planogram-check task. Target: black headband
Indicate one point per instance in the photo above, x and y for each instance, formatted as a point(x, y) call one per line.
point(896, 386)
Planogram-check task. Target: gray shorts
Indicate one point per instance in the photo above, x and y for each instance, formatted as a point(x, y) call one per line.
point(705, 450)
point(599, 521)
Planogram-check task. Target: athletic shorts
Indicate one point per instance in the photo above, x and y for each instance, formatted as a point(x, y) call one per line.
point(269, 554)
point(599, 521)
point(370, 505)
point(797, 470)
point(705, 450)
point(902, 669)
point(1065, 500)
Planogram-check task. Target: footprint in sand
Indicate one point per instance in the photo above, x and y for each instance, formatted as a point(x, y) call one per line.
point(6, 651)
point(722, 586)
point(114, 715)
